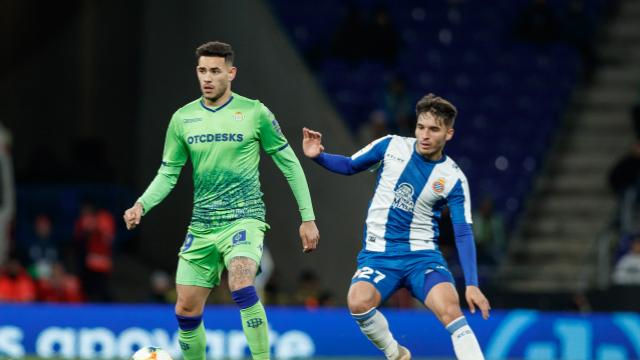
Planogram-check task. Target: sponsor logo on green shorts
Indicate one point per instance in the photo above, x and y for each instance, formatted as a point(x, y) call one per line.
point(239, 238)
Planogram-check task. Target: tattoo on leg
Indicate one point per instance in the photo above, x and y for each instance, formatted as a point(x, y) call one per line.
point(242, 272)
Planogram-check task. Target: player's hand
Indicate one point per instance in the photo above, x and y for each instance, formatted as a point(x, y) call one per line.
point(309, 235)
point(311, 143)
point(475, 297)
point(133, 215)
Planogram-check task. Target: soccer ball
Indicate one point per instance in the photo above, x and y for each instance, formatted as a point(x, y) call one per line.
point(151, 353)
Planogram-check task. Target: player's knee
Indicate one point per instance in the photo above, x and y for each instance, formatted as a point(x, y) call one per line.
point(359, 308)
point(360, 303)
point(239, 283)
point(449, 313)
point(187, 308)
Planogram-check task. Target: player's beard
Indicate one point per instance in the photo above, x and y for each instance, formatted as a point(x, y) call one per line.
point(216, 97)
point(432, 152)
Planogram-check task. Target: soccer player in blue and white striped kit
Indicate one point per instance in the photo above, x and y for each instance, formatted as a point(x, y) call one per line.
point(400, 246)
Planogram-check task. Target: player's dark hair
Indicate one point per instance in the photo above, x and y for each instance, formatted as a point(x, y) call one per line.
point(216, 48)
point(438, 107)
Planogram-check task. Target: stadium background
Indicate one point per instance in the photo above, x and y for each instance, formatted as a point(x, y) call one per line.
point(547, 97)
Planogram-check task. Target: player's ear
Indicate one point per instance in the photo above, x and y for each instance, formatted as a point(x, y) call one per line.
point(232, 73)
point(450, 132)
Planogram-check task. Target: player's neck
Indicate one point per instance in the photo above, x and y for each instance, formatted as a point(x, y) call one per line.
point(436, 156)
point(218, 102)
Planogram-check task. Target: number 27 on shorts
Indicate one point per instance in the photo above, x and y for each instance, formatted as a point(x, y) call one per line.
point(366, 273)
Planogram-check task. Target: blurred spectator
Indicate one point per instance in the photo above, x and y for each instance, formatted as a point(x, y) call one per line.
point(360, 37)
point(162, 288)
point(15, 283)
point(94, 235)
point(381, 39)
point(266, 269)
point(43, 250)
point(273, 293)
point(580, 302)
point(59, 286)
point(374, 129)
point(326, 298)
point(489, 233)
point(7, 193)
point(579, 31)
point(627, 270)
point(399, 106)
point(624, 245)
point(624, 180)
point(350, 34)
point(308, 290)
point(448, 247)
point(635, 118)
point(537, 23)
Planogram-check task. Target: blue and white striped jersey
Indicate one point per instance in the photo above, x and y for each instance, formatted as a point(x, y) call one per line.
point(409, 196)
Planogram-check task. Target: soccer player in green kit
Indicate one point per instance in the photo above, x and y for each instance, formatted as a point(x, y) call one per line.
point(222, 133)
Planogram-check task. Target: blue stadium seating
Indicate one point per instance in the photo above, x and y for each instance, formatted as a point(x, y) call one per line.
point(510, 95)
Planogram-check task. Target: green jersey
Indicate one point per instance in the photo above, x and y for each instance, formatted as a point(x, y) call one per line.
point(224, 146)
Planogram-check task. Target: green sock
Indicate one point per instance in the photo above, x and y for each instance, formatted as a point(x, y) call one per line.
point(254, 324)
point(193, 343)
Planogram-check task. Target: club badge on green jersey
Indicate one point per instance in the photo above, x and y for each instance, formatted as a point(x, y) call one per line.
point(238, 116)
point(276, 126)
point(274, 122)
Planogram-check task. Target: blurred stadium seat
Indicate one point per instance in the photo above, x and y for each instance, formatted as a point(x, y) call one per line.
point(510, 95)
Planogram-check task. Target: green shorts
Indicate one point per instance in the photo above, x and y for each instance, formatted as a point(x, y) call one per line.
point(205, 253)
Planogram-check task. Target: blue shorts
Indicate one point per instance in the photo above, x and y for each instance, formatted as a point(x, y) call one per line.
point(418, 271)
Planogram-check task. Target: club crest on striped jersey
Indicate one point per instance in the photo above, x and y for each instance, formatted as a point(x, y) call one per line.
point(238, 116)
point(438, 185)
point(404, 197)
